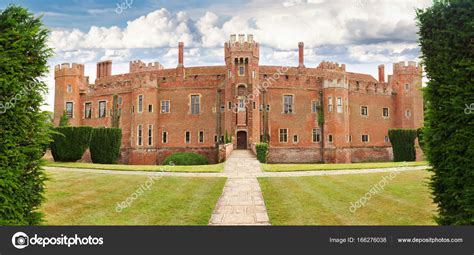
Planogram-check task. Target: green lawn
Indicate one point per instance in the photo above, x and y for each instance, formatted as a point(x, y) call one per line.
point(91, 199)
point(155, 168)
point(325, 200)
point(317, 167)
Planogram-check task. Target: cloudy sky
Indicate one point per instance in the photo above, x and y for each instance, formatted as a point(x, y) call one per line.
point(360, 33)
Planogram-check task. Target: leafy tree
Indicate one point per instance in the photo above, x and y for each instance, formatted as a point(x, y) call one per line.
point(115, 113)
point(64, 120)
point(24, 129)
point(446, 37)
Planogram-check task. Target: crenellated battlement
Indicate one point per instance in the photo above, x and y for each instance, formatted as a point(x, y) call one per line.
point(139, 66)
point(241, 43)
point(69, 69)
point(410, 67)
point(331, 66)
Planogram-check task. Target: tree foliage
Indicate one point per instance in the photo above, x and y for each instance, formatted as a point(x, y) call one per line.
point(446, 37)
point(24, 129)
point(262, 152)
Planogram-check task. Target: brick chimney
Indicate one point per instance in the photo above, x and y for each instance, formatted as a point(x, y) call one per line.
point(104, 68)
point(180, 54)
point(301, 54)
point(381, 73)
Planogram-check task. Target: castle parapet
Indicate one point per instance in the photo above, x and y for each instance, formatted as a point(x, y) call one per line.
point(139, 66)
point(69, 69)
point(332, 66)
point(410, 67)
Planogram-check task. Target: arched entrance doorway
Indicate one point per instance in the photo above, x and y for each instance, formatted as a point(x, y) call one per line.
point(241, 140)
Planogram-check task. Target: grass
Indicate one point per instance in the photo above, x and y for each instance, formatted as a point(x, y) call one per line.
point(326, 200)
point(215, 168)
point(91, 199)
point(318, 167)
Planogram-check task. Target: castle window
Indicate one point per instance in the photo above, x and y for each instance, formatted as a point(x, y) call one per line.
point(408, 113)
point(295, 138)
point(164, 137)
point(241, 70)
point(283, 135)
point(268, 107)
point(316, 135)
point(70, 109)
point(140, 135)
point(349, 138)
point(329, 104)
point(222, 107)
point(365, 138)
point(229, 73)
point(150, 108)
point(241, 105)
point(339, 104)
point(253, 74)
point(407, 87)
point(314, 106)
point(286, 77)
point(187, 138)
point(215, 138)
point(140, 103)
point(254, 105)
point(88, 110)
point(150, 135)
point(385, 112)
point(201, 136)
point(330, 140)
point(69, 88)
point(102, 109)
point(287, 104)
point(364, 111)
point(165, 106)
point(195, 104)
point(229, 105)
point(119, 100)
point(386, 139)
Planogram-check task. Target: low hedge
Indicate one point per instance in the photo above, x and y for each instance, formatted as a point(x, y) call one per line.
point(262, 150)
point(105, 145)
point(185, 159)
point(403, 144)
point(70, 143)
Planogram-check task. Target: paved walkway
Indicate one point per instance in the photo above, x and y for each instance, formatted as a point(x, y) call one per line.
point(241, 202)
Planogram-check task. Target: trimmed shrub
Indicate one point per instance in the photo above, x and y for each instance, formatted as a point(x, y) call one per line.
point(446, 31)
point(262, 150)
point(403, 144)
point(70, 143)
point(420, 136)
point(105, 145)
point(185, 159)
point(24, 129)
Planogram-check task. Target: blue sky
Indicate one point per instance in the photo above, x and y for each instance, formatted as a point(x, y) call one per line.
point(360, 33)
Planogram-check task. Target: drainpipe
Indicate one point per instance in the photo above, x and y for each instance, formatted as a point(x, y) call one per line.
point(321, 99)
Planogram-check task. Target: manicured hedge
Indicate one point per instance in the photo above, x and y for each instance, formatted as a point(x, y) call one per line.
point(403, 144)
point(105, 145)
point(70, 143)
point(446, 31)
point(185, 158)
point(262, 150)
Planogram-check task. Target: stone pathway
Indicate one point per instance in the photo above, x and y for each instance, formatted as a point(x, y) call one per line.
point(241, 202)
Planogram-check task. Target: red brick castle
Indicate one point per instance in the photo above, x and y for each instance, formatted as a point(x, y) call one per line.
point(321, 114)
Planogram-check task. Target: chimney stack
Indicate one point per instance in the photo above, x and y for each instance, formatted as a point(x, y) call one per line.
point(301, 54)
point(104, 68)
point(180, 53)
point(381, 73)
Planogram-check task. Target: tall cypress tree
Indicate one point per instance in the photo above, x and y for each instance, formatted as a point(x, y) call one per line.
point(24, 129)
point(446, 36)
